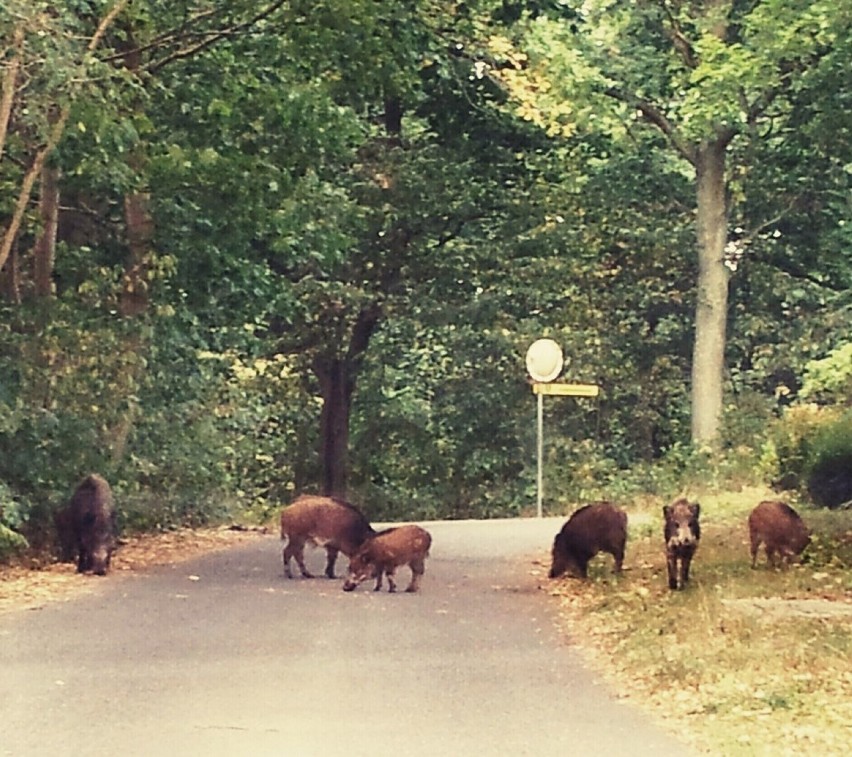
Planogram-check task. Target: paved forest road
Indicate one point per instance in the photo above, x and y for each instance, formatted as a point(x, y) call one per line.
point(224, 656)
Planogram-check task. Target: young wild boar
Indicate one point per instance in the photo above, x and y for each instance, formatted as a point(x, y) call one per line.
point(324, 521)
point(780, 529)
point(599, 527)
point(682, 532)
point(87, 526)
point(383, 553)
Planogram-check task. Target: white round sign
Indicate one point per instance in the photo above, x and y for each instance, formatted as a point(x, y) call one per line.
point(544, 360)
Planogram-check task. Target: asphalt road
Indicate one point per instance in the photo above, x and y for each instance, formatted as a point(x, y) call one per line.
point(224, 656)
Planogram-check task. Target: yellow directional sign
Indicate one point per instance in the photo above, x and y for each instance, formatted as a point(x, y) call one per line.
point(569, 390)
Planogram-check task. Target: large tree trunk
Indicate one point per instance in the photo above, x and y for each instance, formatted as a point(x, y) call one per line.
point(337, 377)
point(708, 358)
point(337, 386)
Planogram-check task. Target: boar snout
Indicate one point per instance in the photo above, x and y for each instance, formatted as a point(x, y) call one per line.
point(683, 536)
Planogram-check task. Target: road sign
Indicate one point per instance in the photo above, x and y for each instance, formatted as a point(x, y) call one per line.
point(544, 360)
point(567, 390)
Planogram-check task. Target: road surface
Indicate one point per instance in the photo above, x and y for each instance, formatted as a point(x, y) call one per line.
point(222, 655)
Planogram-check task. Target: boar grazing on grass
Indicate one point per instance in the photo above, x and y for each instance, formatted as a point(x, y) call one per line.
point(780, 529)
point(599, 527)
point(383, 553)
point(86, 527)
point(322, 521)
point(682, 532)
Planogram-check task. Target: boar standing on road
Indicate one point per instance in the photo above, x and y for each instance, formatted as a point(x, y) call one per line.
point(682, 532)
point(322, 521)
point(383, 553)
point(780, 529)
point(598, 527)
point(87, 526)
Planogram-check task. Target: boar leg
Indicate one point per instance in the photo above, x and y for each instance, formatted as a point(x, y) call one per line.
point(671, 564)
point(755, 545)
point(684, 569)
point(391, 582)
point(417, 570)
point(331, 553)
point(295, 548)
point(84, 561)
point(619, 557)
point(378, 586)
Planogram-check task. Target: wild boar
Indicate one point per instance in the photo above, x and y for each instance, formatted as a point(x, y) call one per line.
point(682, 533)
point(383, 553)
point(598, 527)
point(779, 528)
point(87, 526)
point(321, 521)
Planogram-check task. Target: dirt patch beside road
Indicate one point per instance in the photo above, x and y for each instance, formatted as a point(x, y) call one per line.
point(23, 588)
point(777, 608)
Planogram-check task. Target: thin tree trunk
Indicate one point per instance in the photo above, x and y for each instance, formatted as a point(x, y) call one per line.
point(708, 358)
point(10, 83)
point(44, 249)
point(140, 233)
point(10, 278)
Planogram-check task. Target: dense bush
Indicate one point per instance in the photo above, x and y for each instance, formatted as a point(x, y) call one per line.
point(829, 465)
point(811, 448)
point(11, 541)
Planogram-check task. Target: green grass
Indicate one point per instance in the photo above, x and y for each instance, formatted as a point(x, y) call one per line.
point(728, 660)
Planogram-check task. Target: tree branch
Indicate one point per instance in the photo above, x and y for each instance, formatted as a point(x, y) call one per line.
point(655, 116)
point(194, 39)
point(678, 38)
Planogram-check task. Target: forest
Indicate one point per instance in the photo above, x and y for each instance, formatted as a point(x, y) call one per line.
point(253, 249)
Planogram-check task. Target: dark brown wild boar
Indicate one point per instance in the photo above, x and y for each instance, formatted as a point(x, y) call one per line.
point(383, 553)
point(598, 527)
point(780, 529)
point(682, 533)
point(87, 526)
point(321, 521)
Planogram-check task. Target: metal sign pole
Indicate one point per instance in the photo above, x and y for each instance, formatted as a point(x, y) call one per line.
point(554, 390)
point(540, 476)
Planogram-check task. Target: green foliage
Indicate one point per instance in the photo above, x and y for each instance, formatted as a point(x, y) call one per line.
point(830, 378)
point(792, 440)
point(11, 519)
point(437, 432)
point(282, 210)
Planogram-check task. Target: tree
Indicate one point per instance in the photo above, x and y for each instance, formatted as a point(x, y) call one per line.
point(713, 78)
point(52, 108)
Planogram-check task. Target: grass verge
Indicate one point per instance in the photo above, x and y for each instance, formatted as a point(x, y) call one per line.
point(744, 662)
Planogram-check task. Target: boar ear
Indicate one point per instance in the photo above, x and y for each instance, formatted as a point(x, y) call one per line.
point(696, 508)
point(667, 511)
